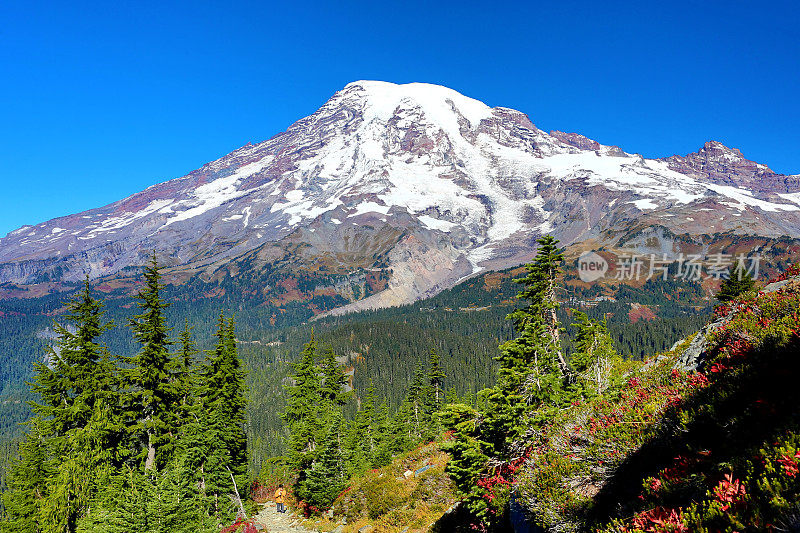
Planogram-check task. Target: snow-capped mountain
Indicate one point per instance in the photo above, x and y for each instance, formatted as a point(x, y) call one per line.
point(416, 179)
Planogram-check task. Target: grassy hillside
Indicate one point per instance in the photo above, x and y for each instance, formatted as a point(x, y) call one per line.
point(717, 449)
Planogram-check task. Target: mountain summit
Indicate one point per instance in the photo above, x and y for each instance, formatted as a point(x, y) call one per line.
point(415, 180)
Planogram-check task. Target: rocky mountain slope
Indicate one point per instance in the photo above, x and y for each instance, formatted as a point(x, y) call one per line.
point(416, 182)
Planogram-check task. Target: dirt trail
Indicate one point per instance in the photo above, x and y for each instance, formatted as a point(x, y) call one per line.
point(275, 522)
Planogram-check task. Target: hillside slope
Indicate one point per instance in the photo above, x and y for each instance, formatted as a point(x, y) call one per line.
point(713, 449)
point(702, 438)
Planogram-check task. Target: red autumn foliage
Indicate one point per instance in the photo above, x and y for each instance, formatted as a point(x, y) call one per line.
point(729, 492)
point(659, 520)
point(790, 464)
point(246, 527)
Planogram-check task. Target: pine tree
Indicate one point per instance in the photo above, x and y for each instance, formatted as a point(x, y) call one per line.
point(467, 459)
point(183, 373)
point(436, 377)
point(539, 290)
point(79, 370)
point(150, 502)
point(532, 366)
point(739, 282)
point(401, 428)
point(218, 438)
point(77, 424)
point(594, 355)
point(84, 467)
point(361, 439)
point(334, 380)
point(531, 375)
point(153, 393)
point(124, 507)
point(325, 480)
point(27, 479)
point(301, 414)
point(418, 399)
point(381, 427)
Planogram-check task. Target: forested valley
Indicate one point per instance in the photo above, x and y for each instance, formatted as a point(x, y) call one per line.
point(327, 400)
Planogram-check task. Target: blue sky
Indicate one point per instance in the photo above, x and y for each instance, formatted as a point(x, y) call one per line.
point(100, 100)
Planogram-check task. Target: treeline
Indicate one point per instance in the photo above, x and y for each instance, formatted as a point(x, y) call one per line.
point(151, 442)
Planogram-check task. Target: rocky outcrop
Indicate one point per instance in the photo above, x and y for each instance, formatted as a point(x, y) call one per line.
point(721, 165)
point(691, 357)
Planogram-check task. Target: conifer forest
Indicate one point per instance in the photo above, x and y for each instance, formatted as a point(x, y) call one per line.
point(177, 429)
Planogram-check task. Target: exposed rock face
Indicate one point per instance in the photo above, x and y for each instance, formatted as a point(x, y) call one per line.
point(417, 180)
point(693, 356)
point(719, 164)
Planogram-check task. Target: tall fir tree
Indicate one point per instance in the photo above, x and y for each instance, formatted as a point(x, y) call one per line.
point(418, 397)
point(334, 381)
point(78, 371)
point(27, 483)
point(91, 419)
point(532, 374)
point(360, 443)
point(220, 420)
point(82, 471)
point(153, 394)
point(301, 414)
point(594, 355)
point(77, 424)
point(148, 502)
point(382, 437)
point(183, 371)
point(436, 377)
point(532, 367)
point(539, 289)
point(326, 477)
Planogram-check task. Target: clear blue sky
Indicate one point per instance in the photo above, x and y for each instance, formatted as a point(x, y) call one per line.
point(99, 100)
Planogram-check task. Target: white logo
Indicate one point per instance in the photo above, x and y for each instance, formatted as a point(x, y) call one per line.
point(591, 266)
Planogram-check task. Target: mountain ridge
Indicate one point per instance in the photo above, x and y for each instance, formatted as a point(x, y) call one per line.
point(445, 186)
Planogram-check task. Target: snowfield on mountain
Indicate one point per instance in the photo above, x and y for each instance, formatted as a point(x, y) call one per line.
point(439, 185)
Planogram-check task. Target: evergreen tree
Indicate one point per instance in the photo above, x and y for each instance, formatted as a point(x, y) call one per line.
point(381, 430)
point(532, 366)
point(83, 469)
point(467, 459)
point(436, 377)
point(594, 355)
point(361, 439)
point(27, 484)
point(313, 410)
point(77, 424)
point(334, 380)
point(325, 479)
point(418, 398)
point(531, 375)
point(301, 414)
point(540, 287)
point(151, 502)
point(182, 370)
point(401, 428)
point(739, 282)
point(218, 438)
point(79, 370)
point(153, 392)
